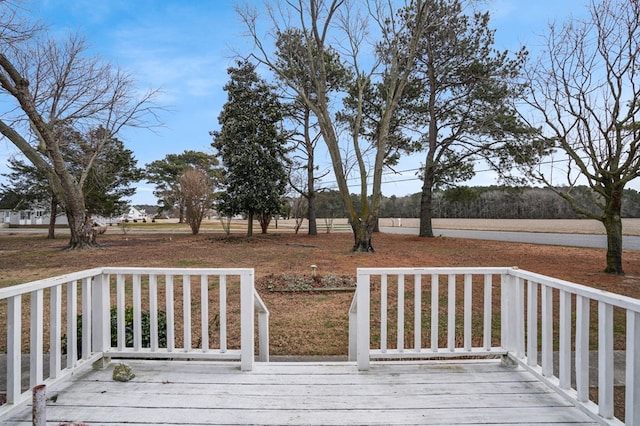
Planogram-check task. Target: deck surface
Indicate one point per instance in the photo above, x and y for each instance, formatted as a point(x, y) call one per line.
point(202, 393)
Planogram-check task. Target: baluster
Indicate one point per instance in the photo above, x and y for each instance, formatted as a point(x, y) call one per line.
point(564, 374)
point(468, 279)
point(153, 312)
point(488, 302)
point(582, 348)
point(204, 311)
point(547, 331)
point(137, 313)
point(435, 308)
point(72, 324)
point(86, 317)
point(37, 338)
point(605, 360)
point(186, 303)
point(400, 325)
point(14, 348)
point(55, 334)
point(417, 309)
point(171, 342)
point(451, 326)
point(532, 323)
point(222, 317)
point(121, 312)
point(383, 313)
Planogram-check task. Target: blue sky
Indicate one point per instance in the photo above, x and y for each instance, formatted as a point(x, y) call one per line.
point(184, 47)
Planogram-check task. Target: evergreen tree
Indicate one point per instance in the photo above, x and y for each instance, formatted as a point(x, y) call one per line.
point(252, 148)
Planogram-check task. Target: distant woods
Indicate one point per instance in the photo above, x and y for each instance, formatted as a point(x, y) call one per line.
point(486, 202)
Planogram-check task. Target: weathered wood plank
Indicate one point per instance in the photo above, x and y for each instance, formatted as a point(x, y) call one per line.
point(455, 416)
point(181, 392)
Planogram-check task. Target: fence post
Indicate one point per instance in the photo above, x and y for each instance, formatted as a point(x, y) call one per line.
point(632, 393)
point(101, 317)
point(363, 317)
point(246, 321)
point(14, 340)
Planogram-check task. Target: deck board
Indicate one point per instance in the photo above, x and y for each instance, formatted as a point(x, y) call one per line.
point(196, 392)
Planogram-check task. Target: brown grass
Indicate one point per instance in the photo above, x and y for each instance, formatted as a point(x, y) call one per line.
point(304, 323)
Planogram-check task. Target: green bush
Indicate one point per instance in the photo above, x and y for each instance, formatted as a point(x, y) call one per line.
point(145, 317)
point(146, 328)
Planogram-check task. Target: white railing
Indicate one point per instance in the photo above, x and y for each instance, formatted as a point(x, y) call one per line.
point(445, 314)
point(72, 315)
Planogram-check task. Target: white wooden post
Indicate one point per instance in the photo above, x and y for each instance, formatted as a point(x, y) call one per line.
point(222, 316)
point(451, 308)
point(204, 311)
point(170, 313)
point(186, 303)
point(468, 289)
point(87, 331)
point(435, 310)
point(37, 338)
point(518, 326)
point(505, 318)
point(383, 313)
point(72, 324)
point(55, 334)
point(246, 321)
point(363, 294)
point(137, 313)
point(417, 313)
point(101, 312)
point(153, 312)
point(632, 389)
point(605, 360)
point(547, 331)
point(488, 301)
point(532, 323)
point(120, 311)
point(14, 348)
point(564, 375)
point(400, 324)
point(582, 348)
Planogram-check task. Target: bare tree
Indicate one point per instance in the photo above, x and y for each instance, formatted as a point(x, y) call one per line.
point(585, 90)
point(196, 187)
point(50, 86)
point(318, 22)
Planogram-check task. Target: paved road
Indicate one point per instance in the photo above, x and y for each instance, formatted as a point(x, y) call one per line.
point(572, 240)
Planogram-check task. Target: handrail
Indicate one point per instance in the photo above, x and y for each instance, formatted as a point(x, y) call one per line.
point(85, 301)
point(521, 312)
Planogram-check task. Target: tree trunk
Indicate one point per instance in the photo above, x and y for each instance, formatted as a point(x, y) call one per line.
point(265, 219)
point(311, 210)
point(83, 236)
point(250, 224)
point(362, 231)
point(426, 227)
point(613, 226)
point(52, 219)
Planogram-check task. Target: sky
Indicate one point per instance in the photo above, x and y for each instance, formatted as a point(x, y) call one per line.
point(184, 47)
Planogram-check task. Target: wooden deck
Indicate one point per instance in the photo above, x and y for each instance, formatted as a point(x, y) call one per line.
point(199, 392)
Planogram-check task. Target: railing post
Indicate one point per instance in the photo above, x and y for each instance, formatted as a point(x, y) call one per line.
point(246, 321)
point(101, 321)
point(363, 295)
